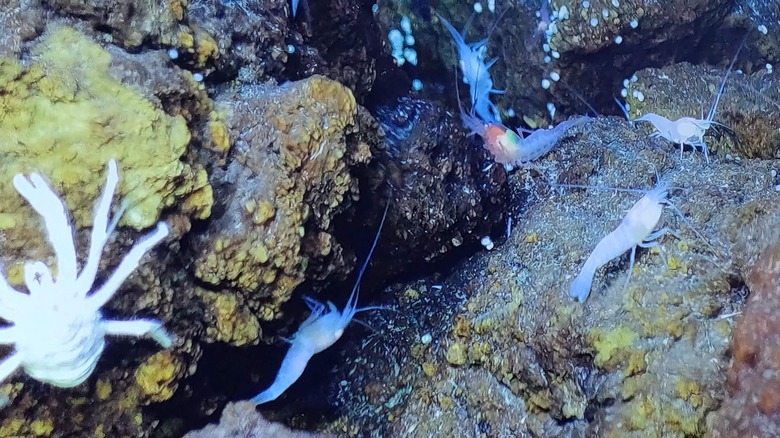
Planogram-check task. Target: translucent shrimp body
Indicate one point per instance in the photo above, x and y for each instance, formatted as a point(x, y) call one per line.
point(319, 331)
point(509, 148)
point(636, 229)
point(471, 60)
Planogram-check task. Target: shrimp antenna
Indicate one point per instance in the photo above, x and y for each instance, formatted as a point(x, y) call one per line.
point(354, 296)
point(711, 114)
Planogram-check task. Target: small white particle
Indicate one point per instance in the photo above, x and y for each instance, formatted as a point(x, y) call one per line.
point(487, 242)
point(547, 59)
point(594, 22)
point(768, 68)
point(762, 29)
point(478, 7)
point(375, 8)
point(605, 13)
point(634, 23)
point(396, 39)
point(510, 112)
point(777, 188)
point(545, 83)
point(563, 13)
point(625, 83)
point(410, 55)
point(492, 6)
point(173, 53)
point(553, 28)
point(555, 76)
point(616, 3)
point(406, 24)
point(624, 92)
point(555, 54)
point(551, 109)
point(585, 4)
point(634, 78)
point(417, 84)
point(290, 48)
point(426, 339)
point(618, 39)
point(409, 40)
point(639, 96)
point(546, 47)
point(198, 77)
point(773, 172)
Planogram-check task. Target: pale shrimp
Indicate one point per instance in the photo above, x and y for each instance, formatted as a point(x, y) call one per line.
point(636, 229)
point(686, 130)
point(318, 332)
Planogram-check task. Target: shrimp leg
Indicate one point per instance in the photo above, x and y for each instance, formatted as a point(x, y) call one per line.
point(293, 365)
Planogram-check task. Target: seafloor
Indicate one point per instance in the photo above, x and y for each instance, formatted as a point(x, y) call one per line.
point(271, 142)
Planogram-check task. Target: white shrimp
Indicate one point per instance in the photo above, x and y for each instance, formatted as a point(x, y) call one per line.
point(686, 130)
point(318, 332)
point(471, 59)
point(636, 229)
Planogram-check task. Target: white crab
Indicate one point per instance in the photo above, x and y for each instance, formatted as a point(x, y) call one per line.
point(57, 330)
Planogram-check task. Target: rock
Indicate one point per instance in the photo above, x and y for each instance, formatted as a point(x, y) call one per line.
point(652, 355)
point(66, 119)
point(752, 405)
point(241, 420)
point(286, 175)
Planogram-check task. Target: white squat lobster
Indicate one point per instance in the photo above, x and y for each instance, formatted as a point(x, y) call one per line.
point(685, 130)
point(318, 332)
point(57, 330)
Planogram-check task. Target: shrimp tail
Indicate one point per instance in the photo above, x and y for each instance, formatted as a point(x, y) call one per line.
point(293, 365)
point(580, 287)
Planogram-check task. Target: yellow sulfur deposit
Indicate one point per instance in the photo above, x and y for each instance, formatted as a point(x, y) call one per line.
point(66, 119)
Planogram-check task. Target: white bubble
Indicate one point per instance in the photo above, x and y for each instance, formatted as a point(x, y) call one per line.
point(173, 53)
point(198, 77)
point(417, 84)
point(594, 22)
point(478, 7)
point(406, 24)
point(618, 39)
point(555, 76)
point(545, 83)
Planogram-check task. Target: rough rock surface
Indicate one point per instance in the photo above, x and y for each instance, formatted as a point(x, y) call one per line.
point(442, 197)
point(65, 121)
point(649, 360)
point(286, 175)
point(241, 420)
point(752, 406)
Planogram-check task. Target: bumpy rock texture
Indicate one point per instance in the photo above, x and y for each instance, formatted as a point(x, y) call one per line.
point(752, 406)
point(241, 420)
point(66, 119)
point(286, 176)
point(515, 355)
